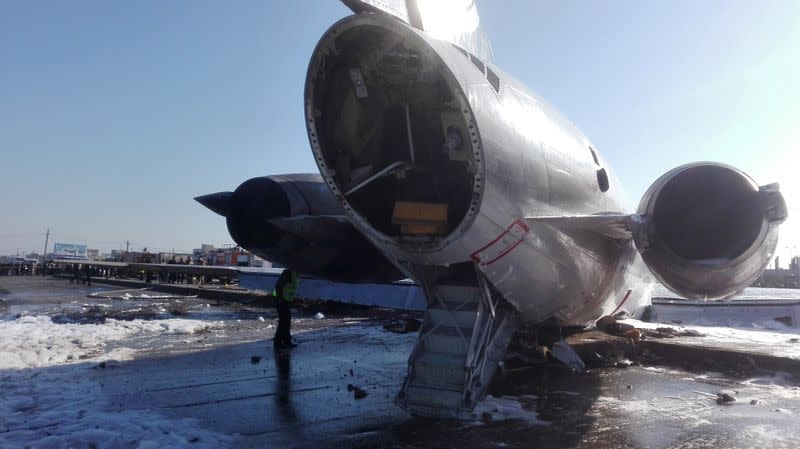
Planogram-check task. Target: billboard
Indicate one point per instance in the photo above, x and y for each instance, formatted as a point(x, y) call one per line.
point(69, 251)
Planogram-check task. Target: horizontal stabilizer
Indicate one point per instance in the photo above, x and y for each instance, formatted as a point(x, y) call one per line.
point(219, 202)
point(615, 226)
point(315, 227)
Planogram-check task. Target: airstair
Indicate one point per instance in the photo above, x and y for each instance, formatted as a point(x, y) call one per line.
point(464, 334)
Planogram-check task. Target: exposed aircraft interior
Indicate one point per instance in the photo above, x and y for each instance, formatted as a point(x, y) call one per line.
point(393, 133)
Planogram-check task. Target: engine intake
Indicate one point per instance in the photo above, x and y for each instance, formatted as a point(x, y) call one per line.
point(710, 230)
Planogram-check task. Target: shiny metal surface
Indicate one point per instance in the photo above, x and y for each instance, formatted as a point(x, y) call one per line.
point(529, 161)
point(736, 219)
point(532, 162)
point(295, 221)
point(455, 21)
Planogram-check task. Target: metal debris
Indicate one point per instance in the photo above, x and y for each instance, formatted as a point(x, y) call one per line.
point(564, 353)
point(358, 393)
point(725, 398)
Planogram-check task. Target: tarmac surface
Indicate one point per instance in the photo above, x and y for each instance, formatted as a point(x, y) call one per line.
point(228, 378)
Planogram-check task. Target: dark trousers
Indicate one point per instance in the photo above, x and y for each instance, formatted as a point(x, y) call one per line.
point(282, 334)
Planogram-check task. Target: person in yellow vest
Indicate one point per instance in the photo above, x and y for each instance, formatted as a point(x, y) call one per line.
point(283, 294)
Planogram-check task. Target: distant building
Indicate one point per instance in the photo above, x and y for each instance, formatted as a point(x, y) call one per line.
point(118, 255)
point(228, 256)
point(182, 258)
point(93, 254)
point(781, 277)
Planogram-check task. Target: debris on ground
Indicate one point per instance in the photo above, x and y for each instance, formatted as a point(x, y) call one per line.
point(403, 326)
point(319, 316)
point(358, 393)
point(633, 334)
point(671, 332)
point(610, 325)
point(261, 318)
point(564, 353)
point(793, 340)
point(107, 364)
point(413, 324)
point(255, 359)
point(724, 398)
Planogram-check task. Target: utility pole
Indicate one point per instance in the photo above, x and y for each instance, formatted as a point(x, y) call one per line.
point(127, 246)
point(44, 253)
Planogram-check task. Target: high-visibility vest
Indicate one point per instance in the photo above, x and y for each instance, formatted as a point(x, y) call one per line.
point(289, 289)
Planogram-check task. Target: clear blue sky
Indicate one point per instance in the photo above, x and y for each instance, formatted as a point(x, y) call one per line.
point(114, 115)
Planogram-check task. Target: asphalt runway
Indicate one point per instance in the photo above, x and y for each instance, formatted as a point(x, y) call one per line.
point(227, 378)
point(299, 398)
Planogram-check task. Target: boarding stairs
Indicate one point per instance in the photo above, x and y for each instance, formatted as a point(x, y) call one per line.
point(465, 332)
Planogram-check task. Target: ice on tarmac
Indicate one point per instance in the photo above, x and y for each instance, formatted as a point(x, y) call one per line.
point(47, 401)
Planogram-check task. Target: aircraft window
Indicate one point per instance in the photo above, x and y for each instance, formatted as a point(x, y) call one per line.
point(477, 62)
point(594, 156)
point(463, 52)
point(494, 80)
point(602, 180)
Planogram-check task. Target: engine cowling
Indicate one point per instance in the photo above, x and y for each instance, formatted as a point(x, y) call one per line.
point(708, 229)
point(295, 221)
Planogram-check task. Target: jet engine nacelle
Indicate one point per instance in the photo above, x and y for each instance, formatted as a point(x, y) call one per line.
point(295, 221)
point(708, 229)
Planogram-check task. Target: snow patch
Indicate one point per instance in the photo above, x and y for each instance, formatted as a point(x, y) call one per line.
point(35, 341)
point(506, 408)
point(774, 338)
point(48, 402)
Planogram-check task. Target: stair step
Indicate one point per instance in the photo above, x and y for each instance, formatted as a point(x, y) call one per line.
point(439, 369)
point(446, 344)
point(445, 329)
point(434, 397)
point(462, 319)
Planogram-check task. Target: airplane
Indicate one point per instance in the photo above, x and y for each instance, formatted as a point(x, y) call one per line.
point(436, 165)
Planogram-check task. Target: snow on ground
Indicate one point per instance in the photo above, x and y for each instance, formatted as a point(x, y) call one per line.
point(769, 337)
point(48, 402)
point(507, 408)
point(35, 341)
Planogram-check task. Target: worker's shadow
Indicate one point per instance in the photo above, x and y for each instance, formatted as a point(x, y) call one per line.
point(283, 388)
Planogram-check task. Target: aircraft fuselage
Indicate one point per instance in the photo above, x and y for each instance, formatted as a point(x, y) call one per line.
point(455, 130)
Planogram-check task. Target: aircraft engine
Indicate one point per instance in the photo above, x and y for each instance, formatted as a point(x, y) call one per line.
point(293, 220)
point(708, 229)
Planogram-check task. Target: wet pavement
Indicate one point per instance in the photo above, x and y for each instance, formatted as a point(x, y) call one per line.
point(230, 379)
point(299, 398)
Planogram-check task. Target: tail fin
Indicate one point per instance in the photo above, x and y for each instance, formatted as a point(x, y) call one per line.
point(455, 21)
